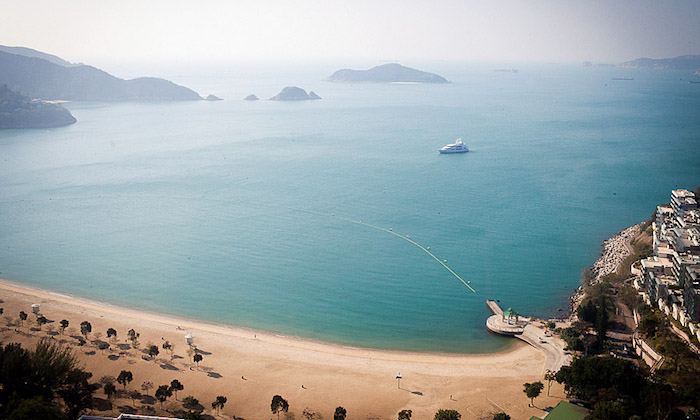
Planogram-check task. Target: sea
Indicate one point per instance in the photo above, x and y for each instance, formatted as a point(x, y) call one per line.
point(256, 214)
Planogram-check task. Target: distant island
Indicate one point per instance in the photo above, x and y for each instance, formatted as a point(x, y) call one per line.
point(18, 111)
point(213, 98)
point(40, 75)
point(251, 97)
point(293, 93)
point(683, 62)
point(387, 73)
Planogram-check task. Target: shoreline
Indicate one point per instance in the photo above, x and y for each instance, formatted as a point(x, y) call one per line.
point(176, 321)
point(614, 251)
point(250, 367)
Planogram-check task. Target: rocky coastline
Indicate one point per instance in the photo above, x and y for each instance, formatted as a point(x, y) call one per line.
point(615, 250)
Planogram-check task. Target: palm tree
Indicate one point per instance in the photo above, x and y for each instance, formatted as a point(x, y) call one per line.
point(219, 403)
point(197, 358)
point(22, 317)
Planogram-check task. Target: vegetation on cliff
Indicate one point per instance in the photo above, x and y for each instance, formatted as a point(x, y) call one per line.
point(18, 111)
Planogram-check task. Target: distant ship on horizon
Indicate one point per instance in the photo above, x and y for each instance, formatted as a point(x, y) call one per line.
point(623, 78)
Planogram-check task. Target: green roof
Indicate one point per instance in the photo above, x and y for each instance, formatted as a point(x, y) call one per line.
point(567, 411)
point(509, 312)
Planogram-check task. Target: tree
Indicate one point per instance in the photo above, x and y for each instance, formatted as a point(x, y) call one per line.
point(609, 410)
point(111, 332)
point(103, 346)
point(170, 348)
point(36, 408)
point(134, 395)
point(146, 386)
point(132, 334)
point(219, 403)
point(501, 416)
point(162, 394)
point(197, 358)
point(125, 377)
point(533, 391)
point(190, 352)
point(85, 329)
point(22, 317)
point(278, 405)
point(447, 415)
point(340, 413)
point(175, 385)
point(64, 324)
point(194, 415)
point(109, 390)
point(405, 414)
point(549, 376)
point(190, 402)
point(589, 377)
point(41, 320)
point(153, 351)
point(48, 372)
point(135, 344)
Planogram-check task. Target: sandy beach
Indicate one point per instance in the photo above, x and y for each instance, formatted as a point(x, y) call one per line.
point(250, 367)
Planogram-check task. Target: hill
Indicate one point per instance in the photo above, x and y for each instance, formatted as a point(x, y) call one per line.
point(683, 62)
point(28, 52)
point(293, 93)
point(387, 73)
point(39, 78)
point(18, 111)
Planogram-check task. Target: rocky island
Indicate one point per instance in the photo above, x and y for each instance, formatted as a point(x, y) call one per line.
point(251, 97)
point(18, 111)
point(41, 75)
point(387, 73)
point(213, 98)
point(293, 93)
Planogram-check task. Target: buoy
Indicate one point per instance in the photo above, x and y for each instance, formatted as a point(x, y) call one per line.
point(390, 229)
point(444, 260)
point(428, 247)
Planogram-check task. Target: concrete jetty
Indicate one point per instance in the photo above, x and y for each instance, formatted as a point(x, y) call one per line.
point(511, 324)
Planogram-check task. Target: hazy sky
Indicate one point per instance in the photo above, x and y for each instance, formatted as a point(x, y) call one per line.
point(540, 30)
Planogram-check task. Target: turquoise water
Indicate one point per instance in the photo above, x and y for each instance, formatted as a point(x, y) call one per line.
point(197, 209)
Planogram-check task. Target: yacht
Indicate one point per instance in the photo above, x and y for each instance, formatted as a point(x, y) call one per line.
point(456, 147)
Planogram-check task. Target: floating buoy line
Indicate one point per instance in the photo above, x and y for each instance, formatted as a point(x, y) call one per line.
point(390, 230)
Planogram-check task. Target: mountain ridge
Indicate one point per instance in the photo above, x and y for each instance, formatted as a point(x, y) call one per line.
point(39, 78)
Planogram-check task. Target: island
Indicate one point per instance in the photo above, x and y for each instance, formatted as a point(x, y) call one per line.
point(213, 98)
point(293, 93)
point(387, 73)
point(251, 97)
point(31, 73)
point(682, 62)
point(19, 111)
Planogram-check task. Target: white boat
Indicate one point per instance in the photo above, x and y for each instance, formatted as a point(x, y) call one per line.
point(456, 147)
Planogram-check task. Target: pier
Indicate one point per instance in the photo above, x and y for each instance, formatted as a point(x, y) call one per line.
point(511, 324)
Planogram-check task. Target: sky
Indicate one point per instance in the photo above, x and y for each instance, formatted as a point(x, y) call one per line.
point(609, 31)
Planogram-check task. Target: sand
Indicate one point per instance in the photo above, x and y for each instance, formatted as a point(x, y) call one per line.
point(250, 367)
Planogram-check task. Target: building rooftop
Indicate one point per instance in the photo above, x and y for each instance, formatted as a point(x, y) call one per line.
point(565, 411)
